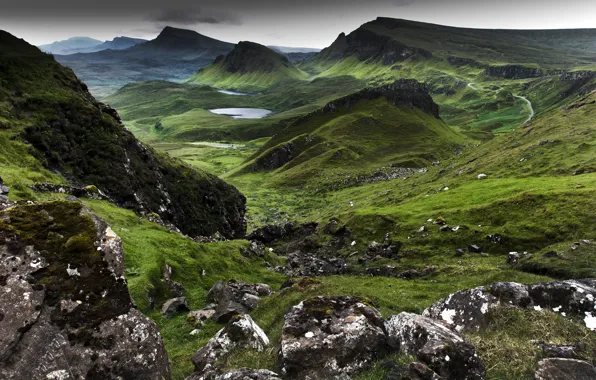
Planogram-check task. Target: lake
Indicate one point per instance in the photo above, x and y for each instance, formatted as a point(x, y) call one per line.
point(234, 93)
point(242, 113)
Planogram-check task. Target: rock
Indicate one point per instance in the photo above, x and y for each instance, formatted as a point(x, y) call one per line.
point(77, 324)
point(312, 265)
point(564, 369)
point(217, 291)
point(513, 258)
point(238, 374)
point(173, 306)
point(435, 345)
point(445, 228)
point(420, 371)
point(482, 176)
point(389, 271)
point(91, 192)
point(551, 254)
point(330, 338)
point(287, 284)
point(272, 233)
point(255, 249)
point(241, 332)
point(558, 350)
point(227, 309)
point(467, 309)
point(250, 301)
point(197, 317)
point(474, 248)
point(513, 72)
point(3, 189)
point(459, 252)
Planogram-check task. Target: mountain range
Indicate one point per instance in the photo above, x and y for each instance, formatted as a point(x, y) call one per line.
point(76, 45)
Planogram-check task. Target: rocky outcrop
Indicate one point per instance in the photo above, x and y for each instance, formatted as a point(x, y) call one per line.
point(443, 350)
point(238, 374)
point(276, 157)
point(367, 45)
point(235, 297)
point(330, 338)
point(274, 232)
point(90, 191)
point(173, 306)
point(300, 264)
point(65, 310)
point(458, 62)
point(514, 72)
point(3, 188)
point(468, 309)
point(241, 332)
point(403, 91)
point(565, 369)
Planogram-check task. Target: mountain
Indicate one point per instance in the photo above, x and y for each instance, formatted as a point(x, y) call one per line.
point(391, 41)
point(250, 67)
point(174, 55)
point(286, 50)
point(68, 132)
point(118, 43)
point(70, 46)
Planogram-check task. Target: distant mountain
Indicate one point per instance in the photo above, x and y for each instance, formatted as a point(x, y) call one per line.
point(118, 43)
point(174, 55)
point(70, 46)
point(250, 67)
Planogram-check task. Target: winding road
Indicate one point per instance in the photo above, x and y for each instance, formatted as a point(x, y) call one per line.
point(529, 103)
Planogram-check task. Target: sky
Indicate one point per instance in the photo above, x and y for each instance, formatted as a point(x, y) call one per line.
point(297, 23)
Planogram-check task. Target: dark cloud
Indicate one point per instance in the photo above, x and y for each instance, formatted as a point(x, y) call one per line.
point(403, 3)
point(192, 16)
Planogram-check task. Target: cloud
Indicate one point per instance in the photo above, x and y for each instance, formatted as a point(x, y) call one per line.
point(191, 17)
point(403, 3)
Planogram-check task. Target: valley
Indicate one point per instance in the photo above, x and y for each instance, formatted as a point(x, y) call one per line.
point(402, 164)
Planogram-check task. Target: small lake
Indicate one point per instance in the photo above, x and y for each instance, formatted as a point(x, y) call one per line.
point(217, 145)
point(242, 113)
point(235, 93)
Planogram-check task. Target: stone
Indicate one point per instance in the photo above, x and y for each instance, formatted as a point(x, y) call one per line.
point(551, 350)
point(197, 317)
point(482, 176)
point(78, 327)
point(467, 309)
point(435, 345)
point(564, 369)
point(474, 248)
point(301, 264)
point(445, 228)
point(241, 332)
point(173, 306)
point(227, 309)
point(513, 258)
point(420, 371)
point(238, 374)
point(235, 297)
point(250, 301)
point(3, 188)
point(330, 338)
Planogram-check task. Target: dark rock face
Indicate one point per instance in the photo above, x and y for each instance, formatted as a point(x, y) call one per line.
point(236, 297)
point(435, 345)
point(403, 91)
point(276, 157)
point(173, 306)
point(65, 307)
point(90, 192)
point(241, 332)
point(273, 233)
point(330, 338)
point(467, 309)
point(558, 350)
point(458, 61)
point(514, 72)
point(389, 271)
point(367, 45)
point(565, 369)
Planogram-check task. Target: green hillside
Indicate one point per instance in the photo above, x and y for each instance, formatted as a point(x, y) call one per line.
point(248, 67)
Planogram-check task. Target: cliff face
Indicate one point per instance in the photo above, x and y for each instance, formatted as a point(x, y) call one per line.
point(65, 311)
point(367, 45)
point(404, 91)
point(247, 57)
point(82, 139)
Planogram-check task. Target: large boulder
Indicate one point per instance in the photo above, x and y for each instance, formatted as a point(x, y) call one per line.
point(442, 349)
point(65, 310)
point(241, 332)
point(330, 338)
point(565, 369)
point(3, 189)
point(468, 309)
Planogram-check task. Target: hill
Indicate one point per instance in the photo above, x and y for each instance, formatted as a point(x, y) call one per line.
point(394, 126)
point(70, 46)
point(174, 55)
point(250, 67)
point(49, 122)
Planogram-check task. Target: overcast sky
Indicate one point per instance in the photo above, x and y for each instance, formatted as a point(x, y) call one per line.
point(299, 23)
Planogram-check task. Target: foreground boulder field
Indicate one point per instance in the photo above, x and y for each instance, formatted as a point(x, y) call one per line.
point(65, 310)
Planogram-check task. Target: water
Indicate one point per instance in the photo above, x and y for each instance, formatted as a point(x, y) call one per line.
point(242, 113)
point(234, 93)
point(218, 145)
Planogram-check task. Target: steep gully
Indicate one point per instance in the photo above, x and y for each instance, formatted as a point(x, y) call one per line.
point(532, 113)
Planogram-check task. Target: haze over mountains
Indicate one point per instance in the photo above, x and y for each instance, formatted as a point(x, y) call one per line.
point(89, 45)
